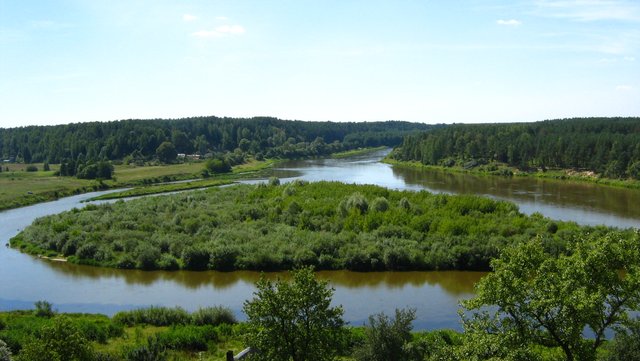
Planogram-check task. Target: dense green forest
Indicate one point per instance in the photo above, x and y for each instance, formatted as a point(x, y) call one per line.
point(140, 139)
point(608, 146)
point(270, 227)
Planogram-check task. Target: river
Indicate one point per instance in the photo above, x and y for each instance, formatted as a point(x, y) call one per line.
point(434, 295)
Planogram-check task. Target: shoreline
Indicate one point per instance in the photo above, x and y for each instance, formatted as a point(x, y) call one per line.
point(560, 175)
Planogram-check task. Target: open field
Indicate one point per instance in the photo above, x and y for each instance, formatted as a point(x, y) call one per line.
point(128, 174)
point(354, 152)
point(20, 188)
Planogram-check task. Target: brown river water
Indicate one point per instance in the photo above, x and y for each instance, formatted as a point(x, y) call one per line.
point(434, 295)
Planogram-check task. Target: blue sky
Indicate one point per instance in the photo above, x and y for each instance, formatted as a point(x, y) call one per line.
point(65, 61)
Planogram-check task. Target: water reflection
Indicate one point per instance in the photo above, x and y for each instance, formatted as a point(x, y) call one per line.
point(584, 203)
point(435, 295)
point(453, 282)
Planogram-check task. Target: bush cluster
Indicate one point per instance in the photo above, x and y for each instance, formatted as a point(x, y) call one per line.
point(328, 225)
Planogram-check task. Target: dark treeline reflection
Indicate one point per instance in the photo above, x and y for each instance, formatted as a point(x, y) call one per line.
point(619, 201)
point(453, 282)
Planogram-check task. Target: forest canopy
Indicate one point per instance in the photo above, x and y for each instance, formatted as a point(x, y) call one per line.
point(608, 146)
point(139, 139)
point(328, 225)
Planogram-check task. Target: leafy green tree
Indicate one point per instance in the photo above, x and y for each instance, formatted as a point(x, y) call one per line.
point(550, 301)
point(217, 166)
point(626, 345)
point(385, 338)
point(59, 341)
point(294, 320)
point(166, 152)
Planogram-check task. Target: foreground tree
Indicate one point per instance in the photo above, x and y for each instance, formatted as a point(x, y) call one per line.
point(550, 301)
point(626, 345)
point(385, 338)
point(294, 320)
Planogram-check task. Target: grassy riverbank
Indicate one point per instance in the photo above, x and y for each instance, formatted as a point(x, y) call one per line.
point(20, 188)
point(160, 333)
point(325, 224)
point(252, 169)
point(204, 335)
point(503, 170)
point(355, 152)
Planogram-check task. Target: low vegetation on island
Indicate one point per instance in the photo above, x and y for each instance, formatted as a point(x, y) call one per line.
point(267, 227)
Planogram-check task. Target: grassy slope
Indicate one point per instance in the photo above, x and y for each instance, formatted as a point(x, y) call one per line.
point(20, 188)
point(360, 151)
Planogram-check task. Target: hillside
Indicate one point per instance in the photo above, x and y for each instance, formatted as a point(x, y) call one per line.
point(140, 139)
point(607, 146)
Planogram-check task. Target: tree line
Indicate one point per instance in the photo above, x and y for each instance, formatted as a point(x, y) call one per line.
point(140, 139)
point(608, 146)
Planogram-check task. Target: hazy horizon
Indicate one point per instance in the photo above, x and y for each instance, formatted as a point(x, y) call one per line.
point(71, 61)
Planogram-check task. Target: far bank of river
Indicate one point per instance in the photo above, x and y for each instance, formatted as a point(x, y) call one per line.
point(435, 295)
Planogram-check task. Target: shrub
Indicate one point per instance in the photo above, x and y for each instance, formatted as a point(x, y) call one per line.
point(216, 315)
point(223, 258)
point(217, 166)
point(274, 181)
point(385, 338)
point(147, 257)
point(156, 316)
point(359, 202)
point(380, 204)
point(32, 168)
point(87, 251)
point(195, 258)
point(168, 262)
point(44, 309)
point(61, 340)
point(191, 338)
point(5, 352)
point(405, 204)
point(152, 351)
point(126, 262)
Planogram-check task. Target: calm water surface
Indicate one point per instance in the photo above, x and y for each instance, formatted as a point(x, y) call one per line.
point(435, 295)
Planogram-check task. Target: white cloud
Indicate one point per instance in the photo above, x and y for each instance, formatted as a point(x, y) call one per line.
point(590, 10)
point(220, 31)
point(624, 88)
point(222, 18)
point(629, 58)
point(510, 22)
point(189, 17)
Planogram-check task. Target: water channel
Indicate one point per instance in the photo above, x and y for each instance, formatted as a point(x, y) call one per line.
point(435, 295)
